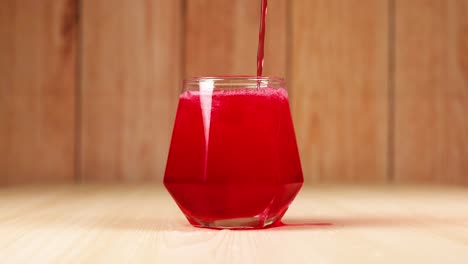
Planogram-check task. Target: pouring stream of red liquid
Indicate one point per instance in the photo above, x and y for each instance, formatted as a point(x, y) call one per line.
point(261, 38)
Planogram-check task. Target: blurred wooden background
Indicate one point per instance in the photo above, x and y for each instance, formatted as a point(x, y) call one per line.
point(88, 88)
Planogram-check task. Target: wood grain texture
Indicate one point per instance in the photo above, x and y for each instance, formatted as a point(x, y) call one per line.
point(37, 86)
point(338, 71)
point(130, 83)
point(222, 37)
point(431, 98)
point(141, 224)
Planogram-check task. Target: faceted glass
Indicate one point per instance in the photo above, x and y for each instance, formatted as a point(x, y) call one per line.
point(233, 160)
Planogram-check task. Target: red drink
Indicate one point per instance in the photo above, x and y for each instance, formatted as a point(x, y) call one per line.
point(233, 160)
point(261, 37)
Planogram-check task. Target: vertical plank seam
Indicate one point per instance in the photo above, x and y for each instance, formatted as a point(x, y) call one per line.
point(288, 49)
point(183, 47)
point(391, 90)
point(78, 91)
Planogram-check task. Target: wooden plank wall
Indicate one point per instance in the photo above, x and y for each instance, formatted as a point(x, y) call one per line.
point(222, 37)
point(339, 77)
point(378, 87)
point(37, 90)
point(431, 92)
point(130, 81)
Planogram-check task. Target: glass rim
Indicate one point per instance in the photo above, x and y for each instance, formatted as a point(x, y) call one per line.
point(236, 78)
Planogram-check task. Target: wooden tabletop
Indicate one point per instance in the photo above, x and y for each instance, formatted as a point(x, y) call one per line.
point(325, 224)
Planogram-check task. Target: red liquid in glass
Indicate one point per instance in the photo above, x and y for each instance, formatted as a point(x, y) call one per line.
point(233, 155)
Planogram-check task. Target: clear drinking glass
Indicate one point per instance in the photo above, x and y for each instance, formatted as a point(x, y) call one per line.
point(233, 160)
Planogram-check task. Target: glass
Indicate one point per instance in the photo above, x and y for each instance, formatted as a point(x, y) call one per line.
point(233, 160)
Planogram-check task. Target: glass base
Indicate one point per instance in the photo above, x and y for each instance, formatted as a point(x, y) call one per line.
point(236, 223)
